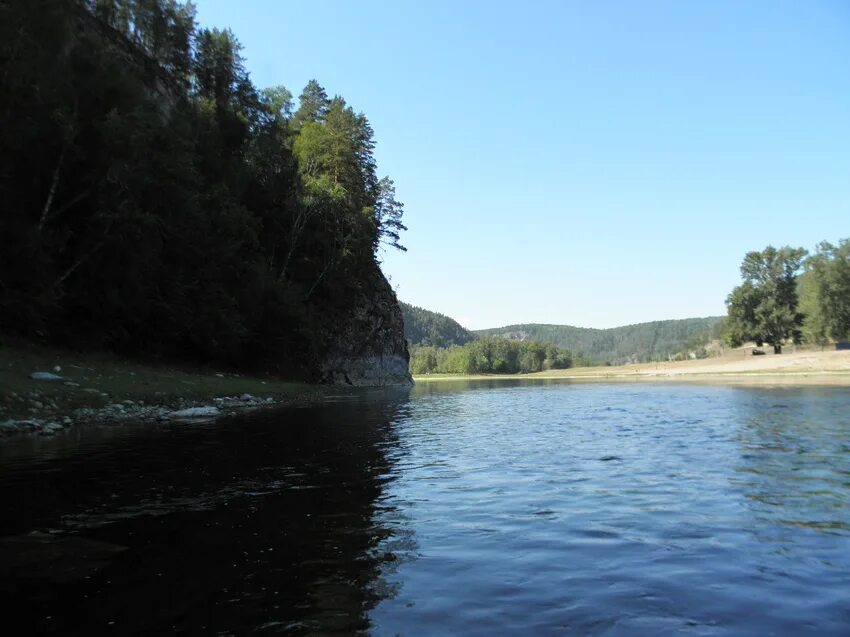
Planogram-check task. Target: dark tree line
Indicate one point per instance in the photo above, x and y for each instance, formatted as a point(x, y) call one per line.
point(156, 202)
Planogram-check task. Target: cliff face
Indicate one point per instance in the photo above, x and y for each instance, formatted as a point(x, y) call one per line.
point(369, 347)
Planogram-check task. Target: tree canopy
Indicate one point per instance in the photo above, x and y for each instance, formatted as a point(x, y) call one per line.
point(824, 289)
point(764, 307)
point(423, 327)
point(489, 355)
point(656, 340)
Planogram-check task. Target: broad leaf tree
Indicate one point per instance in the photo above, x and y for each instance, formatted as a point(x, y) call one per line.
point(825, 293)
point(764, 308)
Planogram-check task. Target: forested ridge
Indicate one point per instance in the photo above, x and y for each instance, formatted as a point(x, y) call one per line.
point(439, 344)
point(157, 203)
point(423, 327)
point(656, 340)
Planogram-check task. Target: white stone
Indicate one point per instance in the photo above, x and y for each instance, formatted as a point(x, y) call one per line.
point(45, 376)
point(196, 412)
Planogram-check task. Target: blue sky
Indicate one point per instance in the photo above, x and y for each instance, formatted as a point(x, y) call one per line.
point(583, 163)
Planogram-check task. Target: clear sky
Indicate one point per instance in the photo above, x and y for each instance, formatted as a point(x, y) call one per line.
point(584, 163)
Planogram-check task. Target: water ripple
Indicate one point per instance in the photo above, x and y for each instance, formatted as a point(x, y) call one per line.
point(462, 509)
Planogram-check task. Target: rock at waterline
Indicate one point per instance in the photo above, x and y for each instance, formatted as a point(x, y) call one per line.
point(247, 398)
point(196, 412)
point(51, 428)
point(45, 376)
point(15, 426)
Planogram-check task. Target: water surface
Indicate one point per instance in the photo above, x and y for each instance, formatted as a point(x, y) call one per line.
point(476, 508)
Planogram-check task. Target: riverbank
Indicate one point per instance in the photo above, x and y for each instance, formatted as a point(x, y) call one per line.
point(44, 390)
point(739, 366)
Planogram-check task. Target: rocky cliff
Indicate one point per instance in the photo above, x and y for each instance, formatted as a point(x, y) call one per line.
point(369, 347)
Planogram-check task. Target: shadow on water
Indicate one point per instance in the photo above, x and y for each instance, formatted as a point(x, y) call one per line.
point(270, 522)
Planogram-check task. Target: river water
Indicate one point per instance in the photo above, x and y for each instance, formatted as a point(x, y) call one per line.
point(480, 508)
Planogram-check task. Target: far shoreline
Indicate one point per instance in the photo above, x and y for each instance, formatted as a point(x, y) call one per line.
point(739, 367)
point(743, 379)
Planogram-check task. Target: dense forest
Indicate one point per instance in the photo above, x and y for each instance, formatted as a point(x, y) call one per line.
point(423, 327)
point(658, 340)
point(490, 355)
point(156, 202)
point(439, 345)
point(790, 296)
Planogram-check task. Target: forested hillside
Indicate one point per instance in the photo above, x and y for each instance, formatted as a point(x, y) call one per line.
point(642, 342)
point(156, 202)
point(422, 327)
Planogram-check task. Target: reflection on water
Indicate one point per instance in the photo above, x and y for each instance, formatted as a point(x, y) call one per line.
point(264, 523)
point(475, 508)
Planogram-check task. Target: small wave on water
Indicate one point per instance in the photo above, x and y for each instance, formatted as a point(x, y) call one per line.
point(462, 509)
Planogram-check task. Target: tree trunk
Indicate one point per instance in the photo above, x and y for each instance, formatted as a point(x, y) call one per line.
point(51, 193)
point(777, 348)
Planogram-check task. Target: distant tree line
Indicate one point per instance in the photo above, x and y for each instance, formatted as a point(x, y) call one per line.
point(491, 355)
point(423, 327)
point(642, 342)
point(702, 344)
point(156, 202)
point(791, 296)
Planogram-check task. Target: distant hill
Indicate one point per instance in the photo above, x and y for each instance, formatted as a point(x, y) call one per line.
point(642, 342)
point(423, 327)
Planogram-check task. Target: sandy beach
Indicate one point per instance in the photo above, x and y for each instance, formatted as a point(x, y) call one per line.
point(793, 366)
point(800, 366)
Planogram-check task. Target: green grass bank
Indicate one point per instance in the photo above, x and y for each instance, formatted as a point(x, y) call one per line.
point(99, 386)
